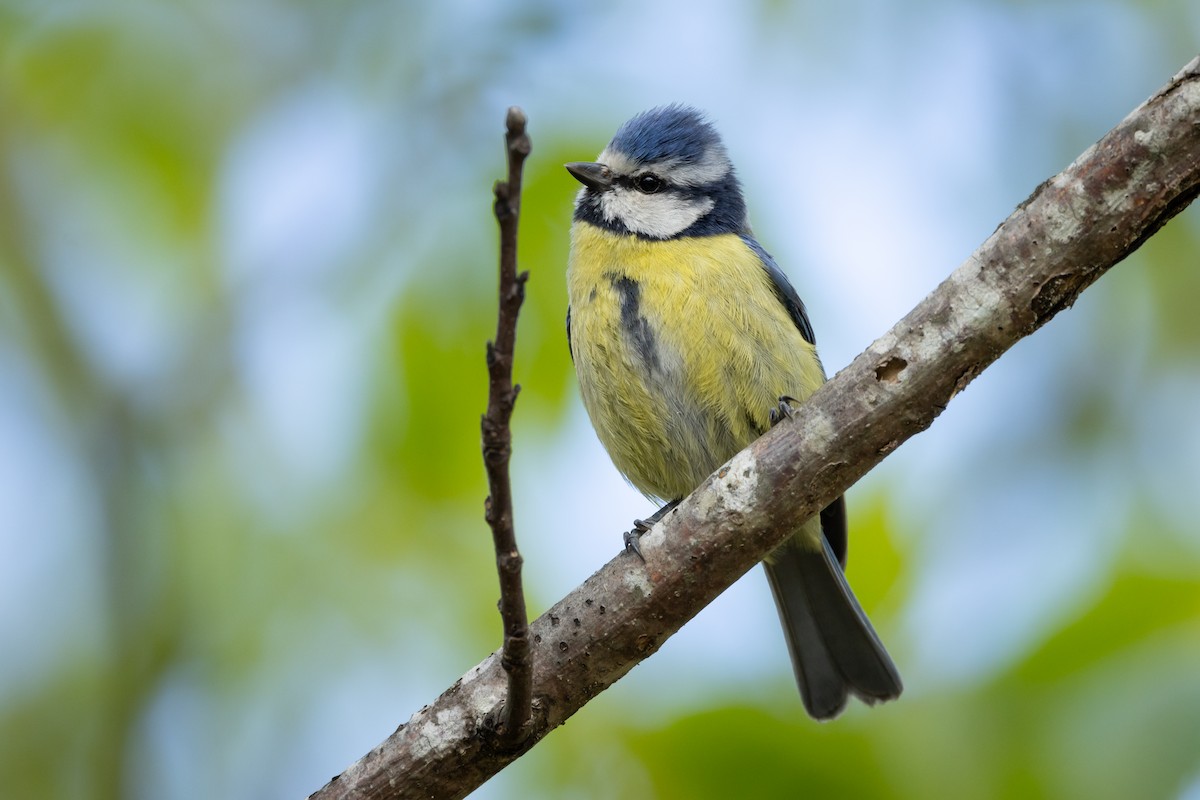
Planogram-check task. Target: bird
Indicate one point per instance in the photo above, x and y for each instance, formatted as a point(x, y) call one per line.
point(689, 342)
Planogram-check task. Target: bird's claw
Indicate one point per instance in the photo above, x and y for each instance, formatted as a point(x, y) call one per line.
point(633, 537)
point(783, 410)
point(643, 526)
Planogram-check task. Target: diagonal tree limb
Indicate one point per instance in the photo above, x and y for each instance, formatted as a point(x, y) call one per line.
point(1072, 229)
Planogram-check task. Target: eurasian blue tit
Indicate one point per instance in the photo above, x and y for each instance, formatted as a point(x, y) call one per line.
point(686, 336)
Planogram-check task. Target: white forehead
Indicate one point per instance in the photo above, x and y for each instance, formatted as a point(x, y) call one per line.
point(712, 167)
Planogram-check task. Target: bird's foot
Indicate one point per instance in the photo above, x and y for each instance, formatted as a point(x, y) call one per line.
point(642, 526)
point(633, 537)
point(783, 410)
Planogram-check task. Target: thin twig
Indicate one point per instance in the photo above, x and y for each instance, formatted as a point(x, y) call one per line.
point(511, 724)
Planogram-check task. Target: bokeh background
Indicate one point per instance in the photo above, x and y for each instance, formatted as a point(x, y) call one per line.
point(247, 270)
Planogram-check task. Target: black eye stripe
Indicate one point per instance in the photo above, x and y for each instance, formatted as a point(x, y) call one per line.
point(646, 183)
point(684, 192)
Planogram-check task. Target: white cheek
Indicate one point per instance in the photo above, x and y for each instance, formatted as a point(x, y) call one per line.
point(658, 215)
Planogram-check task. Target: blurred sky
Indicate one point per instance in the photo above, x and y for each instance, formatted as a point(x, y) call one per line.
point(352, 148)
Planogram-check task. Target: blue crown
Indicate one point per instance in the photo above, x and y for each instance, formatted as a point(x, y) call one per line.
point(667, 132)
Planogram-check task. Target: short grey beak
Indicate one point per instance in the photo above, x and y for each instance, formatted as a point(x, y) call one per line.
point(592, 175)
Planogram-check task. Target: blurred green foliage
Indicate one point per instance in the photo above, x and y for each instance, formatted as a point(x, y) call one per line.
point(206, 598)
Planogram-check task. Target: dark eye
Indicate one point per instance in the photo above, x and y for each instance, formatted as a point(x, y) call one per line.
point(649, 184)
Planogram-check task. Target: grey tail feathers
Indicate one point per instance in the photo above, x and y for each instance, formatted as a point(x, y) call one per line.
point(834, 649)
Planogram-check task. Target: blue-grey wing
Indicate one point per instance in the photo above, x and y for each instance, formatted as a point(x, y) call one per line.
point(783, 290)
point(833, 516)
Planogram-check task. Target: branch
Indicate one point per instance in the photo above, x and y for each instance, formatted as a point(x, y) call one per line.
point(1070, 231)
point(509, 722)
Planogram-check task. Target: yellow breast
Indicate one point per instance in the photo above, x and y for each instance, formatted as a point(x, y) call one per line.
point(682, 348)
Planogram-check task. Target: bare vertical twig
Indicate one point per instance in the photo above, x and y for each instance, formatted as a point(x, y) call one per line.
point(497, 444)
